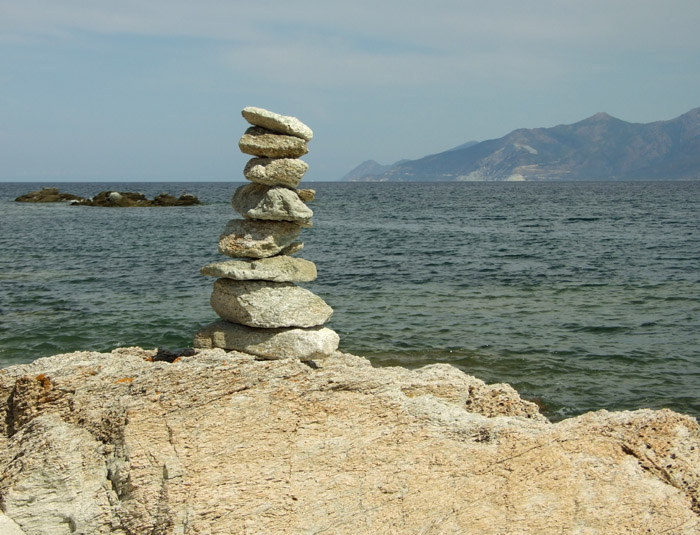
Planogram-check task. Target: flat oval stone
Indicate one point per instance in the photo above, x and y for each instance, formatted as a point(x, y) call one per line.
point(303, 344)
point(268, 304)
point(245, 238)
point(282, 124)
point(276, 203)
point(275, 269)
point(261, 142)
point(276, 171)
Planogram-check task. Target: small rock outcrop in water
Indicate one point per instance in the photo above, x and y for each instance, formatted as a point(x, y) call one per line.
point(48, 195)
point(127, 199)
point(222, 443)
point(110, 198)
point(263, 311)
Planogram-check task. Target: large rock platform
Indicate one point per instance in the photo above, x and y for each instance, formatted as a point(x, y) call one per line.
point(222, 443)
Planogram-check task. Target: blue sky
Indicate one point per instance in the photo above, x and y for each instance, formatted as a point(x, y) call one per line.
point(133, 90)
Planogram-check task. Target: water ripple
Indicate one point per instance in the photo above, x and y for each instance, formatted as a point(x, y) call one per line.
point(582, 295)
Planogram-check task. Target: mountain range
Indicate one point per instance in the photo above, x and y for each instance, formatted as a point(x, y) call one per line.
point(598, 148)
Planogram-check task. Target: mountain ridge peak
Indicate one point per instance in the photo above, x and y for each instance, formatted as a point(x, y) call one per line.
point(602, 116)
point(600, 147)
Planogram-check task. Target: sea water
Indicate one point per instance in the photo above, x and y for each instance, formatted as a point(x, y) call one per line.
point(583, 296)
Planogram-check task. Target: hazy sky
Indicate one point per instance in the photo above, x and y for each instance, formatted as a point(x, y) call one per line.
point(152, 89)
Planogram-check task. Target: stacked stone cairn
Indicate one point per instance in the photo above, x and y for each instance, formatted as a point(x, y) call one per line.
point(263, 312)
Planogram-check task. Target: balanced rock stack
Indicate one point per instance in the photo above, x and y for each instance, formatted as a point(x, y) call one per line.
point(263, 311)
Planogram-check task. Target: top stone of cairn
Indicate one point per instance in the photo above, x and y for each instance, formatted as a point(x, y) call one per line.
point(281, 124)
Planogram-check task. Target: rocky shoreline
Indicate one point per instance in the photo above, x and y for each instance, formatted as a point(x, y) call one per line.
point(220, 442)
point(116, 199)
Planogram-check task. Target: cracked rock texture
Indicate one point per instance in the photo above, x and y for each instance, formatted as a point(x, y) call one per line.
point(221, 443)
point(281, 268)
point(276, 203)
point(243, 238)
point(261, 142)
point(282, 124)
point(276, 171)
point(292, 342)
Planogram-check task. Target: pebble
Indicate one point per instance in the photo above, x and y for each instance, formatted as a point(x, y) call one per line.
point(257, 201)
point(276, 171)
point(268, 304)
point(303, 344)
point(261, 142)
point(281, 268)
point(246, 238)
point(281, 124)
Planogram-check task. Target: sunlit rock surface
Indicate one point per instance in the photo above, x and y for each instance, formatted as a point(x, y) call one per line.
point(222, 443)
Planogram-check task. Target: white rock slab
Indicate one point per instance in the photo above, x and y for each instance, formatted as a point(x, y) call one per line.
point(64, 487)
point(276, 171)
point(268, 304)
point(302, 344)
point(276, 269)
point(9, 527)
point(261, 142)
point(245, 238)
point(283, 124)
point(275, 203)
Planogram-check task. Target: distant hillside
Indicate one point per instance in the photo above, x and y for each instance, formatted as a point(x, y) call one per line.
point(462, 146)
point(368, 170)
point(598, 148)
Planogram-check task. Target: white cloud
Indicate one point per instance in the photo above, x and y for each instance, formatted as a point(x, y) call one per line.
point(312, 42)
point(442, 23)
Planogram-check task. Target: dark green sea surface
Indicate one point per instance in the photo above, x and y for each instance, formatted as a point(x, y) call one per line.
point(583, 296)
